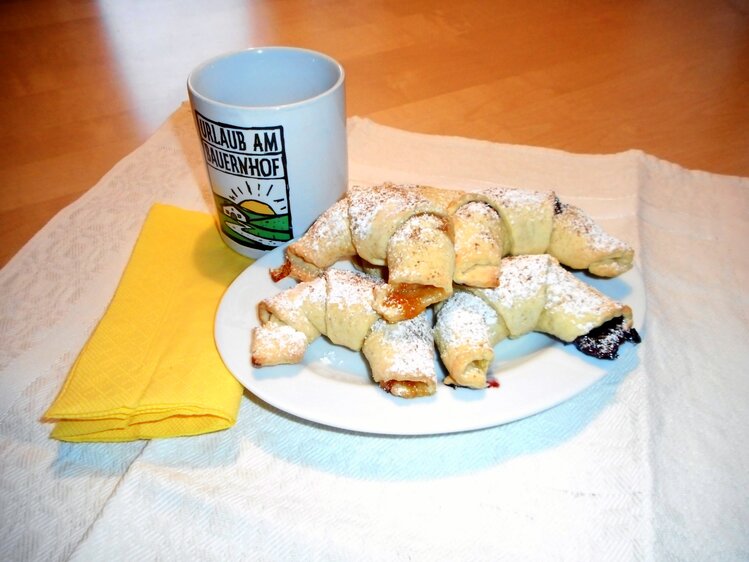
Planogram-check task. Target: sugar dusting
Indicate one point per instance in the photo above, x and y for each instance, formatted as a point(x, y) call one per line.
point(464, 320)
point(419, 227)
point(512, 197)
point(576, 220)
point(349, 288)
point(603, 342)
point(331, 225)
point(520, 278)
point(478, 212)
point(429, 231)
point(365, 202)
point(566, 293)
point(477, 209)
point(287, 302)
point(280, 336)
point(414, 343)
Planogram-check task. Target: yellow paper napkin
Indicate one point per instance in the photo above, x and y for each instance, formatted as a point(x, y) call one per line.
point(151, 367)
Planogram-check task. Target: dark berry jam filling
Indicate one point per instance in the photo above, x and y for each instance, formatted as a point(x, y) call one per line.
point(604, 342)
point(558, 206)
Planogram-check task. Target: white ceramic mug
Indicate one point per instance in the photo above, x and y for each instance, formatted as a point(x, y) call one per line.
point(272, 126)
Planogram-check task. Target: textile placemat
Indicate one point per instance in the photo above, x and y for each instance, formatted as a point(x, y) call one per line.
point(649, 463)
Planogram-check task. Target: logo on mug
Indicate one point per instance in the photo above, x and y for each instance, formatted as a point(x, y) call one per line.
point(247, 169)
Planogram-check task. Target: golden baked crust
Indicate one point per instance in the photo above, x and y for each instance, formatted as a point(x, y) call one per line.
point(478, 244)
point(580, 243)
point(535, 293)
point(453, 236)
point(401, 356)
point(340, 305)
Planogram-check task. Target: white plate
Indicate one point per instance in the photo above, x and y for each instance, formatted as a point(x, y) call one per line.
point(333, 387)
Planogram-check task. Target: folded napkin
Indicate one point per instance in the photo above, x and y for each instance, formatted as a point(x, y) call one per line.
point(151, 368)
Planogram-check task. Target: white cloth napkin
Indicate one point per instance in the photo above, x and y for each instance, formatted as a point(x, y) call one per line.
point(650, 463)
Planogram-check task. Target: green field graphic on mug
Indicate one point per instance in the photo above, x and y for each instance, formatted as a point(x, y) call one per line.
point(247, 169)
point(249, 220)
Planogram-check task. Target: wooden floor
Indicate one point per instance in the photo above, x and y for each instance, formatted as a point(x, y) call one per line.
point(83, 83)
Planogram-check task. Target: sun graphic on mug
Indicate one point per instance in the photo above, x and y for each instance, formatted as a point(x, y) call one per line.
point(257, 207)
point(256, 214)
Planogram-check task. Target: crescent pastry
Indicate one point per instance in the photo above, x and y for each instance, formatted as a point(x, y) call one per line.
point(427, 239)
point(406, 229)
point(535, 293)
point(401, 356)
point(339, 304)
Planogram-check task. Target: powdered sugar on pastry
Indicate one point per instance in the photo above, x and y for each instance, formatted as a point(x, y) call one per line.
point(579, 242)
point(535, 294)
point(465, 320)
point(521, 277)
point(415, 345)
point(348, 288)
point(330, 226)
point(292, 301)
point(512, 197)
point(376, 213)
point(572, 297)
point(365, 202)
point(580, 222)
point(277, 343)
point(413, 251)
point(479, 212)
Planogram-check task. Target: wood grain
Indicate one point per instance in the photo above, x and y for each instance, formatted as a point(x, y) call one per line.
point(83, 83)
